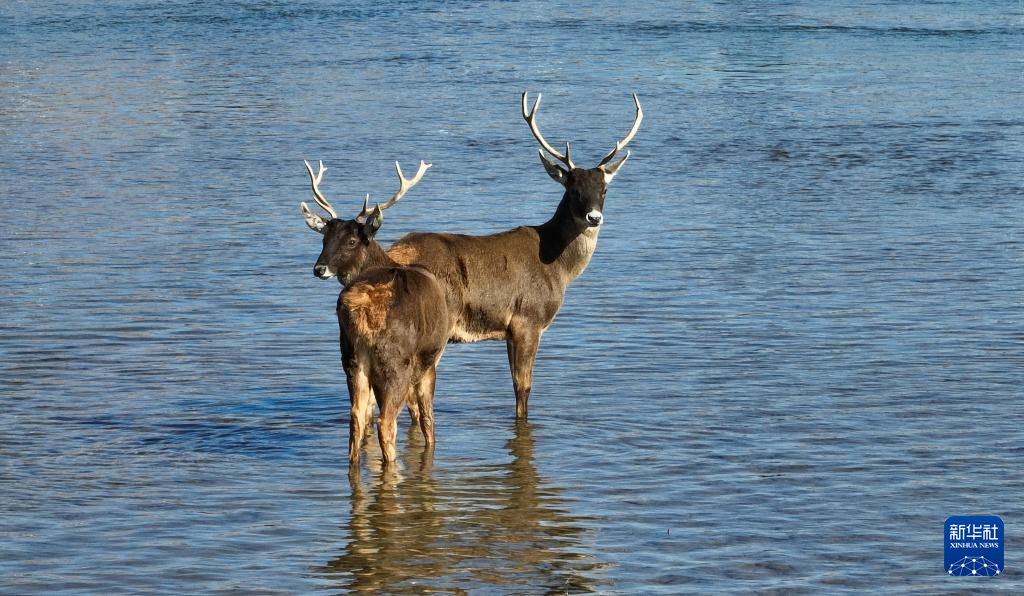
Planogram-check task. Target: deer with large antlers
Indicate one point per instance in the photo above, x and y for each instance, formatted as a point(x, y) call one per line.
point(394, 319)
point(509, 286)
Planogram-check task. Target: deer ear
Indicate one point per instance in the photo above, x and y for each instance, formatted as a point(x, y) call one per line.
point(314, 221)
point(372, 224)
point(611, 169)
point(557, 172)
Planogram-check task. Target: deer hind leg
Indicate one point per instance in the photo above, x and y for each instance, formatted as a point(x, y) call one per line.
point(522, 345)
point(361, 398)
point(391, 393)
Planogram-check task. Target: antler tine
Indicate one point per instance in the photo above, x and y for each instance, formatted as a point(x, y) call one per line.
point(315, 182)
point(531, 119)
point(365, 210)
point(632, 132)
point(405, 184)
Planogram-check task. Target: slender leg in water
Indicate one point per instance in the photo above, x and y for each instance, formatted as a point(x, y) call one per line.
point(522, 351)
point(425, 397)
point(362, 408)
point(414, 408)
point(391, 393)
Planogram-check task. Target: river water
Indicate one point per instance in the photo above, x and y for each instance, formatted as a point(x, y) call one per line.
point(798, 349)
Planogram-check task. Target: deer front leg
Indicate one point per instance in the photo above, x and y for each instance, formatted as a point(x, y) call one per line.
point(412, 403)
point(369, 412)
point(522, 345)
point(425, 399)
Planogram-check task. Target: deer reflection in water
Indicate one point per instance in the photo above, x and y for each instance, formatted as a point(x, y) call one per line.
point(493, 525)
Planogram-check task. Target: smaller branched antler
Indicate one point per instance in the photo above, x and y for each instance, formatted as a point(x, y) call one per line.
point(317, 195)
point(404, 185)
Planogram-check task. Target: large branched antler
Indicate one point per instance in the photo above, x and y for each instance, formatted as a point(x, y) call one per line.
point(317, 195)
point(629, 137)
point(531, 119)
point(404, 185)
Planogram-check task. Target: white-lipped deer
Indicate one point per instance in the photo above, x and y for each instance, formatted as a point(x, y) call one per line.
point(510, 285)
point(394, 319)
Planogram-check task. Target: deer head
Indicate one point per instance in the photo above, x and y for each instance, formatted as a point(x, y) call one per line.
point(348, 244)
point(585, 189)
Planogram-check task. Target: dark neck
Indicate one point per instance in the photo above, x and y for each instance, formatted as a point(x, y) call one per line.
point(557, 233)
point(376, 257)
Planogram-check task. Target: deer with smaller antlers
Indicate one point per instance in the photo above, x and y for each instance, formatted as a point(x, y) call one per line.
point(394, 320)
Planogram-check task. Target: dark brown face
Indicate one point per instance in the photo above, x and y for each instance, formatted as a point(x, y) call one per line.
point(585, 191)
point(345, 248)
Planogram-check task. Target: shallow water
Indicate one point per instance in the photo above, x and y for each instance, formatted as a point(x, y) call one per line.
point(798, 349)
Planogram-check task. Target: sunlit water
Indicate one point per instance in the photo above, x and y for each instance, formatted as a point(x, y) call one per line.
point(798, 349)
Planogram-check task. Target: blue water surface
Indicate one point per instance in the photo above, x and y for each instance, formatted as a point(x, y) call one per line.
point(798, 349)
